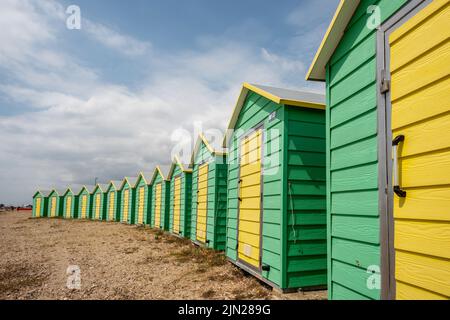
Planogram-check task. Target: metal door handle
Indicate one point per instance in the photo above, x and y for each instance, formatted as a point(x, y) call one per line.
point(396, 171)
point(239, 186)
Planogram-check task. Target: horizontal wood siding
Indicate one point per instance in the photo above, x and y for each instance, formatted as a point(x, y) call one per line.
point(186, 201)
point(256, 110)
point(147, 196)
point(352, 167)
point(422, 219)
point(165, 203)
point(306, 198)
point(216, 198)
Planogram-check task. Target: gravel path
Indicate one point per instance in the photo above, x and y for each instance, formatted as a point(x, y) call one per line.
point(116, 261)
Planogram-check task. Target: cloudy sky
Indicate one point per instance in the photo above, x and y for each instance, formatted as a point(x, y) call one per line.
point(117, 96)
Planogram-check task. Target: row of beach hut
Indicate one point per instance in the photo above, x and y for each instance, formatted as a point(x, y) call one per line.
point(262, 203)
point(348, 190)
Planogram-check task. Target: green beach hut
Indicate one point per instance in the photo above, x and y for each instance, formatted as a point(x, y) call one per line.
point(40, 203)
point(127, 200)
point(113, 201)
point(99, 198)
point(209, 195)
point(143, 199)
point(276, 210)
point(69, 204)
point(55, 203)
point(84, 202)
point(180, 178)
point(160, 200)
point(386, 65)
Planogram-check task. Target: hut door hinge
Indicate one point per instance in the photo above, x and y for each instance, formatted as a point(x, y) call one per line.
point(385, 84)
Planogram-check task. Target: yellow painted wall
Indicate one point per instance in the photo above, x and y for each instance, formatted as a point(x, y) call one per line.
point(158, 201)
point(202, 202)
point(68, 207)
point(112, 207)
point(249, 224)
point(177, 205)
point(141, 199)
point(38, 207)
point(420, 69)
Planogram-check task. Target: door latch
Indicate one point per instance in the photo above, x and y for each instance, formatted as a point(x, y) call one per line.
point(385, 84)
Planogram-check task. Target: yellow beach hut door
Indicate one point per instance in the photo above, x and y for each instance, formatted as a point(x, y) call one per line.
point(177, 205)
point(97, 206)
point(249, 219)
point(112, 198)
point(126, 205)
point(420, 123)
point(141, 197)
point(53, 207)
point(158, 200)
point(68, 207)
point(202, 202)
point(83, 206)
point(38, 207)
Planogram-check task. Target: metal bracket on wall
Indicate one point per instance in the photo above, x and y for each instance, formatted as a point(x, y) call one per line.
point(385, 84)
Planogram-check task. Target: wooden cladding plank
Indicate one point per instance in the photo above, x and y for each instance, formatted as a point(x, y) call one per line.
point(425, 272)
point(303, 158)
point(358, 56)
point(342, 293)
point(354, 82)
point(425, 103)
point(365, 229)
point(358, 153)
point(354, 106)
point(355, 253)
point(306, 129)
point(418, 19)
point(429, 68)
point(427, 170)
point(429, 238)
point(360, 128)
point(430, 135)
point(424, 204)
point(355, 278)
point(405, 49)
point(361, 203)
point(405, 291)
point(357, 178)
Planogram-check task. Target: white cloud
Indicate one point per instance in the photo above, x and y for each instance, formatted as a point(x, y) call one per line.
point(124, 44)
point(82, 126)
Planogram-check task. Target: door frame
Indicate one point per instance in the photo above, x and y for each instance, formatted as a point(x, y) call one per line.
point(385, 189)
point(259, 126)
point(206, 211)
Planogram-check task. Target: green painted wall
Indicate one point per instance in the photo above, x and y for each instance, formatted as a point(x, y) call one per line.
point(147, 201)
point(293, 232)
point(44, 205)
point(131, 204)
point(216, 195)
point(75, 214)
point(165, 202)
point(186, 202)
point(306, 260)
point(352, 158)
